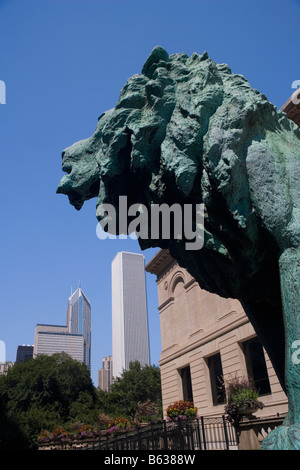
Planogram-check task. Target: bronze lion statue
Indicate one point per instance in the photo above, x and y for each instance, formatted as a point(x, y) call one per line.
point(186, 130)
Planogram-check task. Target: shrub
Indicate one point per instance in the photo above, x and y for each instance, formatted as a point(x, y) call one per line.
point(147, 411)
point(103, 421)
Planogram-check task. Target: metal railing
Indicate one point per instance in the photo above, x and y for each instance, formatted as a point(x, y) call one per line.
point(199, 434)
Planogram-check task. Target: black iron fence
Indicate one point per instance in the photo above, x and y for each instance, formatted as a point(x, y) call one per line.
point(199, 434)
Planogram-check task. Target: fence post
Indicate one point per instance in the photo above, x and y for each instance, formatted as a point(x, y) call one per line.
point(165, 435)
point(225, 432)
point(198, 434)
point(190, 435)
point(203, 432)
point(181, 438)
point(152, 436)
point(139, 439)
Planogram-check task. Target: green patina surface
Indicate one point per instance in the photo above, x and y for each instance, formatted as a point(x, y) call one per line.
point(188, 130)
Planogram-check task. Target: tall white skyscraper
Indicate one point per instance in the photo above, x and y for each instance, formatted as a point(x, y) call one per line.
point(130, 335)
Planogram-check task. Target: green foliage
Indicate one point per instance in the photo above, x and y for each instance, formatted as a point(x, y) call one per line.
point(55, 392)
point(42, 393)
point(241, 397)
point(244, 395)
point(135, 386)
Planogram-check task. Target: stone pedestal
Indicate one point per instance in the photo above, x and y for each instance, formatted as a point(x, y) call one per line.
point(247, 438)
point(251, 430)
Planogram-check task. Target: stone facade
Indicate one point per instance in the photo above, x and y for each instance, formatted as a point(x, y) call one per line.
point(204, 336)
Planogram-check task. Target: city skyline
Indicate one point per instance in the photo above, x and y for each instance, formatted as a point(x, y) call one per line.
point(52, 338)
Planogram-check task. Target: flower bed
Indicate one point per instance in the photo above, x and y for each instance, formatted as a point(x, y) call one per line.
point(61, 436)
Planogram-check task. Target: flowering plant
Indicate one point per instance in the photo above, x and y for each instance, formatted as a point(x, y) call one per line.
point(86, 431)
point(181, 410)
point(44, 436)
point(58, 435)
point(119, 424)
point(242, 397)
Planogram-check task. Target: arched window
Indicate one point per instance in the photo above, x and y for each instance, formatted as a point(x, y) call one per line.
point(177, 279)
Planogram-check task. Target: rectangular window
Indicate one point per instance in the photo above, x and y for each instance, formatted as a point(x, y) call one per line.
point(216, 379)
point(256, 365)
point(186, 379)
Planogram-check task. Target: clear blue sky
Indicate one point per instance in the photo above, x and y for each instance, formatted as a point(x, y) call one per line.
point(64, 63)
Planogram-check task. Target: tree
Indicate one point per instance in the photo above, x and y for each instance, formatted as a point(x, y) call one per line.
point(42, 393)
point(53, 391)
point(135, 386)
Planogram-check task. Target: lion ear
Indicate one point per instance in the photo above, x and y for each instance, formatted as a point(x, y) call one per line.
point(157, 54)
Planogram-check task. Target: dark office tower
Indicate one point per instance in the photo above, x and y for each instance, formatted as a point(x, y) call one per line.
point(79, 321)
point(24, 353)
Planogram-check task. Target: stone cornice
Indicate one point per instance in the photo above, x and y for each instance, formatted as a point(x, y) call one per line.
point(161, 261)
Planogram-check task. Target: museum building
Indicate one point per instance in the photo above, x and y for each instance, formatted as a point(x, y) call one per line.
point(206, 338)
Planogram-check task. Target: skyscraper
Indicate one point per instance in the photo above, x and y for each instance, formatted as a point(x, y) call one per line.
point(105, 374)
point(51, 339)
point(24, 353)
point(130, 336)
point(79, 321)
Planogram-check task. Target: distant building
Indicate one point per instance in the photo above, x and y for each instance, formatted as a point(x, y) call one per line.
point(79, 321)
point(4, 366)
point(24, 353)
point(74, 338)
point(105, 374)
point(51, 339)
point(130, 337)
